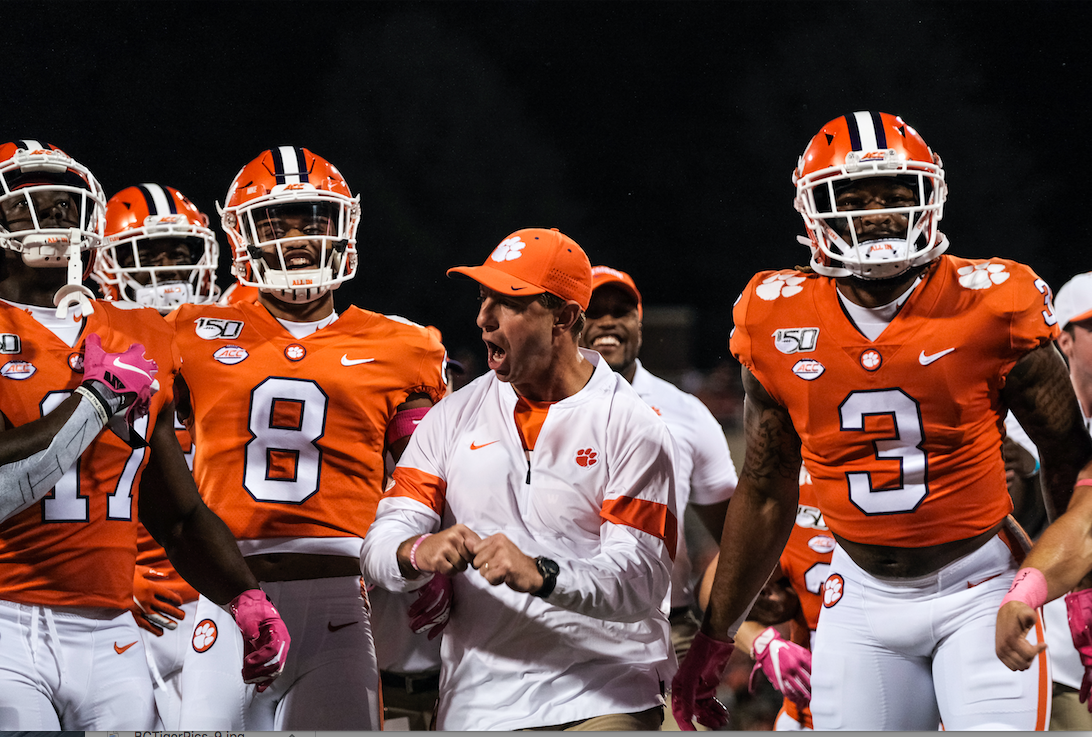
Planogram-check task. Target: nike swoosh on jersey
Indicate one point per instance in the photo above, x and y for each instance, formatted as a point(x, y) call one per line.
point(476, 447)
point(979, 583)
point(335, 627)
point(120, 650)
point(926, 360)
point(346, 361)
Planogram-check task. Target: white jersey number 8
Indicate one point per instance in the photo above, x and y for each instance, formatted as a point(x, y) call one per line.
point(903, 446)
point(283, 459)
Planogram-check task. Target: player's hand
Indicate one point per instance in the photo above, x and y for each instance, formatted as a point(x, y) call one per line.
point(265, 637)
point(1010, 641)
point(430, 611)
point(498, 560)
point(1078, 609)
point(155, 607)
point(445, 552)
point(694, 687)
point(129, 375)
point(787, 666)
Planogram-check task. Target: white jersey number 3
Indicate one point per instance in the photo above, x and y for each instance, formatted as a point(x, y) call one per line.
point(283, 459)
point(904, 446)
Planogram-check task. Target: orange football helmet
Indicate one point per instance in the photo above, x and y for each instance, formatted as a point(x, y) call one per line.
point(134, 267)
point(292, 223)
point(47, 201)
point(858, 146)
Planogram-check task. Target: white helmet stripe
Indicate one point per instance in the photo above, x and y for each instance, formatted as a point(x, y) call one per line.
point(159, 202)
point(866, 127)
point(289, 166)
point(32, 145)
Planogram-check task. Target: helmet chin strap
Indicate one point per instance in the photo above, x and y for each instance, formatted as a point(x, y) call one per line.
point(74, 292)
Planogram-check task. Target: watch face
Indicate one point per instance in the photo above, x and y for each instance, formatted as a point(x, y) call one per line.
point(547, 567)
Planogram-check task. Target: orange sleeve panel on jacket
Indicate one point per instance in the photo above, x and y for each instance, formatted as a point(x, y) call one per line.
point(420, 486)
point(649, 517)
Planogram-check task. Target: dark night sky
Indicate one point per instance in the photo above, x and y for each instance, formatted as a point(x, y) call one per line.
point(660, 135)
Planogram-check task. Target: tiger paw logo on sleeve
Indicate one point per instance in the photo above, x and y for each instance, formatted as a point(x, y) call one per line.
point(784, 284)
point(982, 276)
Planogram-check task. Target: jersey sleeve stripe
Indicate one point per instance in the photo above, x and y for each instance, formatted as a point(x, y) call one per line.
point(420, 486)
point(649, 517)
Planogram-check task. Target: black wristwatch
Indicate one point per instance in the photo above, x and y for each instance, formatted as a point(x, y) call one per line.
point(548, 570)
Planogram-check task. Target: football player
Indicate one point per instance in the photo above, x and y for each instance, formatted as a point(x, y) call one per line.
point(74, 658)
point(889, 365)
point(291, 406)
point(159, 253)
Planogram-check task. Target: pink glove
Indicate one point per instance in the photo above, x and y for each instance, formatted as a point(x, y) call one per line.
point(155, 608)
point(1078, 609)
point(430, 612)
point(265, 638)
point(787, 666)
point(694, 687)
point(123, 373)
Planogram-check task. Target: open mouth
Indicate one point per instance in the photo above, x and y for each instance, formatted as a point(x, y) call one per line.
point(495, 358)
point(299, 260)
point(606, 341)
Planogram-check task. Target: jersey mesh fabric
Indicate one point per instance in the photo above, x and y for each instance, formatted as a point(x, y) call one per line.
point(914, 416)
point(302, 457)
point(77, 546)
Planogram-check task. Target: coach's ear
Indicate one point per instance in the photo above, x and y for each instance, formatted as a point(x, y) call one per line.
point(567, 316)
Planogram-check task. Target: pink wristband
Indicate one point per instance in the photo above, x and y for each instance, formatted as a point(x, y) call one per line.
point(1083, 482)
point(404, 423)
point(1029, 587)
point(413, 551)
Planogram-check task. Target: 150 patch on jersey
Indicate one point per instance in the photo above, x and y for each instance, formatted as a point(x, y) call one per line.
point(10, 343)
point(213, 328)
point(796, 340)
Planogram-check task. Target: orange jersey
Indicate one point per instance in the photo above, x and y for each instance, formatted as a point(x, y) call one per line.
point(902, 436)
point(806, 563)
point(77, 546)
point(289, 433)
point(805, 560)
point(150, 553)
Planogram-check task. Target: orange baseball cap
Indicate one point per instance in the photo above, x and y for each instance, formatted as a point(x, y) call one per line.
point(602, 275)
point(533, 261)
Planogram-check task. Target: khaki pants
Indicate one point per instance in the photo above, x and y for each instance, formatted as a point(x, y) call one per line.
point(1067, 713)
point(643, 721)
point(410, 697)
